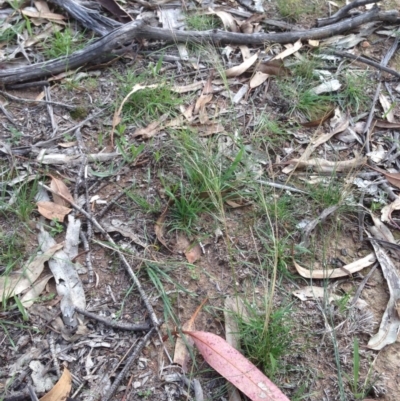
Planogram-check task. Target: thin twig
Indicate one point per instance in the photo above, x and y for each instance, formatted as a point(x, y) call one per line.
point(49, 142)
point(366, 61)
point(107, 322)
point(128, 268)
point(128, 364)
point(281, 186)
point(362, 285)
point(109, 205)
point(88, 257)
point(48, 102)
point(368, 129)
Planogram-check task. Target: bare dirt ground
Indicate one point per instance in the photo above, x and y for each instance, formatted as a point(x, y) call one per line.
point(247, 240)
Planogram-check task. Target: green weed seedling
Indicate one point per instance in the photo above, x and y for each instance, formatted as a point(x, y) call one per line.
point(354, 95)
point(56, 227)
point(266, 347)
point(359, 391)
point(201, 22)
point(149, 104)
point(64, 43)
point(294, 9)
point(186, 208)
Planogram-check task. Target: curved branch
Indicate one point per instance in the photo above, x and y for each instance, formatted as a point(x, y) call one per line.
point(108, 44)
point(343, 12)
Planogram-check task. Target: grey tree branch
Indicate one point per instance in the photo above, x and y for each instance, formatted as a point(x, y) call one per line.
point(343, 12)
point(108, 44)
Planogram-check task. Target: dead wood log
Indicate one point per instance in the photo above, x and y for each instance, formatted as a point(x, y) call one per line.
point(108, 44)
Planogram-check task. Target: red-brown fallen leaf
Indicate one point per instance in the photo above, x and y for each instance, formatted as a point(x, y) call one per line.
point(61, 389)
point(273, 67)
point(59, 186)
point(51, 210)
point(238, 370)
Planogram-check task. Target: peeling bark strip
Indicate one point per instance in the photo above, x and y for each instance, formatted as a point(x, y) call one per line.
point(108, 44)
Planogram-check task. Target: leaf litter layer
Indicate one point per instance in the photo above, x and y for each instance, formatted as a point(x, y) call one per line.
point(264, 173)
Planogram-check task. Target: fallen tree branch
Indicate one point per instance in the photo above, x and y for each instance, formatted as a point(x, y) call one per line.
point(109, 43)
point(343, 12)
point(367, 61)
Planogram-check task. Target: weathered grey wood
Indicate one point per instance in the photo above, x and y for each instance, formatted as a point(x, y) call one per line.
point(108, 44)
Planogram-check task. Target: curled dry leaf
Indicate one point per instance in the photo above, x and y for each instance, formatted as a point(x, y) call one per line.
point(290, 49)
point(61, 389)
point(59, 187)
point(258, 79)
point(227, 20)
point(51, 210)
point(235, 368)
point(339, 272)
point(241, 68)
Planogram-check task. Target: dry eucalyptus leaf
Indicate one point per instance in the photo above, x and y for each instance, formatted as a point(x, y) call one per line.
point(59, 187)
point(241, 68)
point(61, 389)
point(14, 284)
point(290, 49)
point(339, 272)
point(227, 20)
point(258, 79)
point(52, 211)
